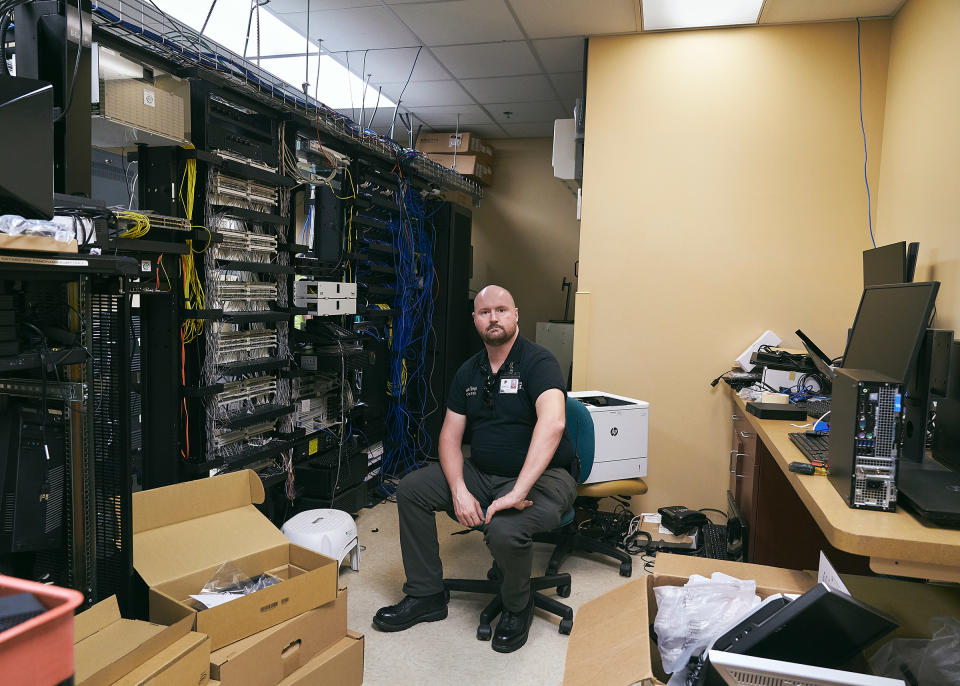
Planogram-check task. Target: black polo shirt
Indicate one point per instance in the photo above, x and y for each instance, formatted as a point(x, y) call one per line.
point(502, 418)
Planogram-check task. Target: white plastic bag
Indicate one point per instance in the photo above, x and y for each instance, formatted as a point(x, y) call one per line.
point(926, 662)
point(689, 617)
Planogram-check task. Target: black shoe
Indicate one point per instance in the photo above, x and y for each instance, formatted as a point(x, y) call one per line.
point(513, 628)
point(411, 611)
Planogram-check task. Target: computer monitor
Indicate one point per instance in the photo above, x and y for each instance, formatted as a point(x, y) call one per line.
point(744, 670)
point(912, 250)
point(889, 328)
point(26, 112)
point(886, 264)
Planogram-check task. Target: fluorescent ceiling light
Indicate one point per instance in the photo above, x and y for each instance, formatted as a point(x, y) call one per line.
point(686, 14)
point(337, 87)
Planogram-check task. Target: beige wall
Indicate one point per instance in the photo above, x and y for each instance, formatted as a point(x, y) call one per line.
point(723, 195)
point(920, 173)
point(525, 232)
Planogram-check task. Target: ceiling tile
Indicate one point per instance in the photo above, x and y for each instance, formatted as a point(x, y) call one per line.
point(446, 117)
point(287, 6)
point(530, 130)
point(428, 93)
point(510, 89)
point(488, 59)
point(393, 65)
point(554, 18)
point(460, 21)
point(560, 54)
point(569, 85)
point(488, 131)
point(525, 112)
point(784, 11)
point(353, 29)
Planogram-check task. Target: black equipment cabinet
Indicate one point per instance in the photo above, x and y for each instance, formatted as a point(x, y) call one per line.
point(455, 338)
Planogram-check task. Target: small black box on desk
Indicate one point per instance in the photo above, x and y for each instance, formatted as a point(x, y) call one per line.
point(776, 411)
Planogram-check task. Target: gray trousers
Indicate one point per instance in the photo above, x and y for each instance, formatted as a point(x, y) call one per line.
point(508, 535)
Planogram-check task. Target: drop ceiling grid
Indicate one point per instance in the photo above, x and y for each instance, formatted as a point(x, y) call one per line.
point(476, 53)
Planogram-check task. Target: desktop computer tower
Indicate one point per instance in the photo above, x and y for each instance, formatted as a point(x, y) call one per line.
point(865, 438)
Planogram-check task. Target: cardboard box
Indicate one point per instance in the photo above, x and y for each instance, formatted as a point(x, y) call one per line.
point(149, 107)
point(183, 533)
point(107, 648)
point(37, 243)
point(185, 663)
point(450, 142)
point(268, 657)
point(457, 197)
point(468, 165)
point(339, 665)
point(610, 642)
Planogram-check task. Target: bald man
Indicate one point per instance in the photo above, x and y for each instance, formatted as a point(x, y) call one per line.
point(516, 483)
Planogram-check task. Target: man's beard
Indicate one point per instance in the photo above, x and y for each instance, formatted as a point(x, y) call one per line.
point(498, 336)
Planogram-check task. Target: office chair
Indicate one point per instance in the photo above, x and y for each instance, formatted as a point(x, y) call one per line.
point(567, 538)
point(491, 586)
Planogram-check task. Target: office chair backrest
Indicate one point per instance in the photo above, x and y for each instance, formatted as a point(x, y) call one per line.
point(580, 430)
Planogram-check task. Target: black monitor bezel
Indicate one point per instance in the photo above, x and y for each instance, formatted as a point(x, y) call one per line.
point(912, 363)
point(872, 253)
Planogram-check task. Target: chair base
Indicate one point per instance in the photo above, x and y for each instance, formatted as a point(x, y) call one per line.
point(491, 586)
point(568, 541)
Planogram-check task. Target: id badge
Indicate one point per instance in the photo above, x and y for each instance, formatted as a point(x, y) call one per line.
point(509, 385)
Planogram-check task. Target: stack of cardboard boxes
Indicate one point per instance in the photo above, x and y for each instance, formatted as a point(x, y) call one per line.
point(464, 153)
point(286, 634)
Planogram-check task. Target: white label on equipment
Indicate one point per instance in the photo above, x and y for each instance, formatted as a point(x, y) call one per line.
point(149, 98)
point(828, 575)
point(145, 266)
point(50, 262)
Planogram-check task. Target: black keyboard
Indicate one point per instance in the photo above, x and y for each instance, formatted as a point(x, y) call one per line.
point(817, 408)
point(714, 541)
point(814, 448)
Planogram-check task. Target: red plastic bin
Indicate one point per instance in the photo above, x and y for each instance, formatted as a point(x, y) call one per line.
point(39, 652)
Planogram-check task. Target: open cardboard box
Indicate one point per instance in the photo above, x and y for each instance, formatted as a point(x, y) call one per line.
point(183, 533)
point(268, 657)
point(610, 643)
point(339, 665)
point(109, 649)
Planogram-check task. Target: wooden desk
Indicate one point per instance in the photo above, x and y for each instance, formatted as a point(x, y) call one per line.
point(895, 543)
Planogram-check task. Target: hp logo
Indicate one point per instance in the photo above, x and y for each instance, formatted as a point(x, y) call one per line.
point(614, 431)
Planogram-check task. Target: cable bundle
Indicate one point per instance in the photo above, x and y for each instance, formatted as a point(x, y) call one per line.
point(408, 378)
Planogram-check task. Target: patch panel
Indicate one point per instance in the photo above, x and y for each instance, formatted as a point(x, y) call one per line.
point(248, 241)
point(230, 155)
point(246, 290)
point(232, 342)
point(256, 390)
point(245, 434)
point(241, 189)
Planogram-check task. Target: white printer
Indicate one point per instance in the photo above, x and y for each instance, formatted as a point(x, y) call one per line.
point(620, 435)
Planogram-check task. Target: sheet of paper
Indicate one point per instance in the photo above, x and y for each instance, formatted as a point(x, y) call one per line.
point(828, 575)
point(213, 599)
point(654, 518)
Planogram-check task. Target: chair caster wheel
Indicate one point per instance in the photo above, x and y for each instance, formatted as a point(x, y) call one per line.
point(484, 632)
point(563, 591)
point(566, 625)
point(626, 569)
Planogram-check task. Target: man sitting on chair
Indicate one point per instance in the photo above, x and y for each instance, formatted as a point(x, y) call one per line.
point(512, 394)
